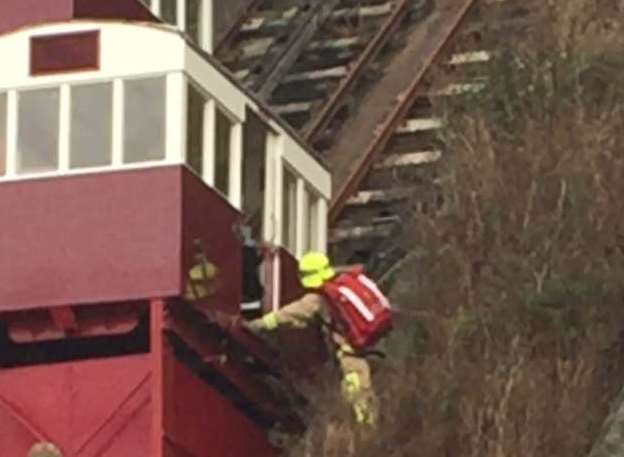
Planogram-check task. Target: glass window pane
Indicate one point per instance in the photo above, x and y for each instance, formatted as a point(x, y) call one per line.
point(313, 207)
point(305, 223)
point(194, 19)
point(144, 120)
point(222, 152)
point(254, 170)
point(91, 125)
point(169, 11)
point(38, 130)
point(195, 135)
point(3, 133)
point(289, 211)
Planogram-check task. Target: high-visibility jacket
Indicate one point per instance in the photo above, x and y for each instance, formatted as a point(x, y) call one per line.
point(356, 374)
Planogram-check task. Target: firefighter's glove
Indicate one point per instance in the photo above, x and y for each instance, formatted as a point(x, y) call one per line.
point(257, 326)
point(254, 326)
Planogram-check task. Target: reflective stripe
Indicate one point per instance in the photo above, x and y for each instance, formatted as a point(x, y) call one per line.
point(270, 321)
point(345, 349)
point(351, 383)
point(360, 413)
point(363, 413)
point(357, 302)
point(374, 289)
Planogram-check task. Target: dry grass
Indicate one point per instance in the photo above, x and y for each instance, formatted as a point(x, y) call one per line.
point(511, 343)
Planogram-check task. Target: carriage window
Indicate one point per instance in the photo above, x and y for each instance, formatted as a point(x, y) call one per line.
point(305, 223)
point(289, 211)
point(313, 218)
point(195, 137)
point(169, 11)
point(3, 133)
point(91, 125)
point(38, 132)
point(194, 19)
point(254, 171)
point(222, 152)
point(144, 120)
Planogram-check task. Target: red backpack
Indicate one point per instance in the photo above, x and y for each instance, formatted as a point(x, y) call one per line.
point(358, 308)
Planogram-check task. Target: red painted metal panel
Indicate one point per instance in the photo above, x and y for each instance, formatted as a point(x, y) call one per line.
point(19, 13)
point(131, 10)
point(88, 408)
point(157, 351)
point(65, 52)
point(200, 422)
point(94, 320)
point(209, 218)
point(132, 440)
point(91, 238)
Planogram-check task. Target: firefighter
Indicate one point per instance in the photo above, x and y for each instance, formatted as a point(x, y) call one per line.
point(44, 449)
point(315, 270)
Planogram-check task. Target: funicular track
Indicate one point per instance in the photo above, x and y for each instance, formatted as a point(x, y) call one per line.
point(355, 79)
point(306, 57)
point(388, 171)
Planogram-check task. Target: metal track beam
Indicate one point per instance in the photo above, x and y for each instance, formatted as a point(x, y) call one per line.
point(331, 106)
point(230, 35)
point(282, 55)
point(439, 37)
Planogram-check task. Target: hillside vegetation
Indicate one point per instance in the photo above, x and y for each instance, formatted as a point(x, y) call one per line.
point(511, 308)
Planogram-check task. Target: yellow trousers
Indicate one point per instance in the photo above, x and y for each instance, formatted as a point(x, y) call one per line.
point(356, 374)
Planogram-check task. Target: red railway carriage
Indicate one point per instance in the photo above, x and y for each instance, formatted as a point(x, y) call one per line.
point(134, 172)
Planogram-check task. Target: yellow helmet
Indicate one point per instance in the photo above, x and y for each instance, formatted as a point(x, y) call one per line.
point(315, 269)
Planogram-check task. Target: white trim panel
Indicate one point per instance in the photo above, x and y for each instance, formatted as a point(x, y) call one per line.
point(299, 159)
point(231, 99)
point(123, 52)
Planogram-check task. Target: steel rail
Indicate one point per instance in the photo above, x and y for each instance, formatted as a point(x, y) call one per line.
point(281, 56)
point(391, 123)
point(230, 36)
point(329, 109)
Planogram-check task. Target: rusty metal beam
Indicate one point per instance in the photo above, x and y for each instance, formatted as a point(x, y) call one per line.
point(281, 56)
point(385, 33)
point(442, 34)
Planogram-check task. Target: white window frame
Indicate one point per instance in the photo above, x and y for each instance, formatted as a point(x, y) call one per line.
point(68, 100)
point(206, 21)
point(317, 211)
point(175, 123)
point(211, 109)
point(13, 135)
point(283, 166)
point(301, 210)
